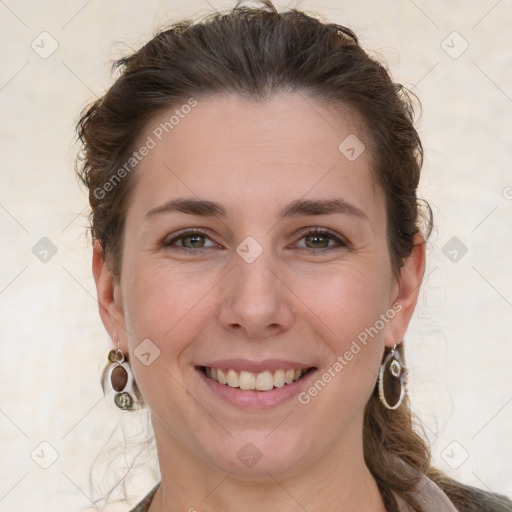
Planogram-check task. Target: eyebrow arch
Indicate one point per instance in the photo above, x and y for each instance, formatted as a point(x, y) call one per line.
point(321, 207)
point(192, 206)
point(205, 208)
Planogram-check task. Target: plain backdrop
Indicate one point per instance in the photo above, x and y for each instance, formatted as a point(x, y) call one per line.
point(56, 57)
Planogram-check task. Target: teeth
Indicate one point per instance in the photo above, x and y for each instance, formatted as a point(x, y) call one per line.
point(279, 378)
point(222, 377)
point(247, 380)
point(233, 379)
point(263, 381)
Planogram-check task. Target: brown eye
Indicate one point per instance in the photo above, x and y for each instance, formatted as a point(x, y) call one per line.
point(190, 240)
point(319, 239)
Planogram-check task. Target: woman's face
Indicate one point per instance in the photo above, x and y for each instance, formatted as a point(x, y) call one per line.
point(222, 269)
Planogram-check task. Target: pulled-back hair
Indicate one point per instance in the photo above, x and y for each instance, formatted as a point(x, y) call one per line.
point(256, 53)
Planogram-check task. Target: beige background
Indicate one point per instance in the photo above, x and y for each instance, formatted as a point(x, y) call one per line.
point(52, 342)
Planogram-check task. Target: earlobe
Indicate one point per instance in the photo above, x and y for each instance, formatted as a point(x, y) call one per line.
point(109, 296)
point(409, 283)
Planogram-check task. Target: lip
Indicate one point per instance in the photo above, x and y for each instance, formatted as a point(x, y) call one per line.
point(245, 365)
point(253, 399)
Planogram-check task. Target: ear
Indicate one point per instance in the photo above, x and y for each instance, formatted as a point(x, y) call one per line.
point(406, 292)
point(108, 290)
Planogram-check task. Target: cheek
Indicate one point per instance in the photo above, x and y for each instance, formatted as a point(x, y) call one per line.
point(347, 300)
point(352, 314)
point(167, 306)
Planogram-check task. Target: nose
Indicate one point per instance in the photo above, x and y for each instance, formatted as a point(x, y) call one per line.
point(256, 301)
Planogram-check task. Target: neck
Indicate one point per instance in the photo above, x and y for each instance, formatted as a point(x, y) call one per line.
point(338, 480)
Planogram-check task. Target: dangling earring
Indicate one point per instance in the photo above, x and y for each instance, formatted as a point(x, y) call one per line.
point(120, 378)
point(392, 380)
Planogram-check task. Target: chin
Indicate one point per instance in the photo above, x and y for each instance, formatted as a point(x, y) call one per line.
point(254, 455)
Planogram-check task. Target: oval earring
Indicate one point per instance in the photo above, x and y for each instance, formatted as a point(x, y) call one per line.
point(392, 380)
point(119, 377)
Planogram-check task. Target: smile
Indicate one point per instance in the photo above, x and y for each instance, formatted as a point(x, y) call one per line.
point(248, 381)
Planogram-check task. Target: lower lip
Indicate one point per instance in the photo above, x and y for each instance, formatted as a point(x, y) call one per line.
point(253, 399)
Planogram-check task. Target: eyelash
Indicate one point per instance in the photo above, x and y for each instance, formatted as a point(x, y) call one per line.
point(341, 242)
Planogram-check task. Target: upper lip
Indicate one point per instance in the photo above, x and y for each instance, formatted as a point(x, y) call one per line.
point(247, 365)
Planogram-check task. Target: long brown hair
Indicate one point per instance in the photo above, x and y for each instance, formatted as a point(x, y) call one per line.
point(255, 53)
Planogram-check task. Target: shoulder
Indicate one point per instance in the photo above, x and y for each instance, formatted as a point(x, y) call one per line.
point(472, 499)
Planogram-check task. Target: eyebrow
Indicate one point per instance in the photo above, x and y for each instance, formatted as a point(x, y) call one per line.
point(205, 208)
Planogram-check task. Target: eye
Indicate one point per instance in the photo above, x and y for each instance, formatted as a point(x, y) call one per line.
point(314, 239)
point(189, 240)
point(321, 239)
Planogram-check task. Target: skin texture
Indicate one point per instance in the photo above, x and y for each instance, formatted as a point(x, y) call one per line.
point(292, 302)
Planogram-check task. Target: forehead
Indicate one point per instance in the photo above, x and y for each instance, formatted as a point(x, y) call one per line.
point(276, 150)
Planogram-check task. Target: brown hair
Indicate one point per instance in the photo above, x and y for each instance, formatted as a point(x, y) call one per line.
point(256, 53)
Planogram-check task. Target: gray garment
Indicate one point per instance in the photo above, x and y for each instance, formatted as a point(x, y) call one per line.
point(428, 494)
point(430, 497)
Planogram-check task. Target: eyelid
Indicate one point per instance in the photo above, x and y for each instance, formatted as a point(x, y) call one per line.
point(169, 241)
point(340, 240)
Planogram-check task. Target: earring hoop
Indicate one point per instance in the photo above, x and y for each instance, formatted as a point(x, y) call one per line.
point(392, 380)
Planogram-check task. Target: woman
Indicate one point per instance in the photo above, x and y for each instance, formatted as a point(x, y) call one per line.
point(258, 258)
